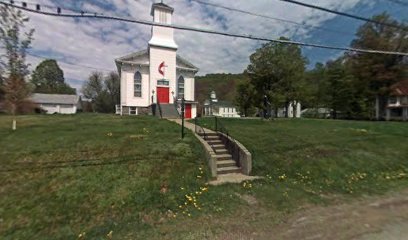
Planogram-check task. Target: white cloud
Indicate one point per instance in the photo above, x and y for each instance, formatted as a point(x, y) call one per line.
point(97, 43)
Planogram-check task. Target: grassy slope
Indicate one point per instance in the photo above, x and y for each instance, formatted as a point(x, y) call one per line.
point(310, 159)
point(64, 175)
point(303, 161)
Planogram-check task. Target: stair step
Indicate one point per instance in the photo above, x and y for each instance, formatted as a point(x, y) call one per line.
point(217, 146)
point(223, 156)
point(224, 170)
point(221, 151)
point(209, 133)
point(214, 142)
point(213, 137)
point(226, 163)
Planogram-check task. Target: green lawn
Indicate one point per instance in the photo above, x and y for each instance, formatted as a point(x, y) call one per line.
point(309, 159)
point(63, 176)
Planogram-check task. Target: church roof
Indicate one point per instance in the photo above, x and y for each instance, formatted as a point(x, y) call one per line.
point(162, 6)
point(141, 58)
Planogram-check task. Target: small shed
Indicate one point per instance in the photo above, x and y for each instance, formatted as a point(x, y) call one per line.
point(57, 103)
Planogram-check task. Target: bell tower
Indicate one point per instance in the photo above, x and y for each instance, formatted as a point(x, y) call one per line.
point(162, 36)
point(162, 55)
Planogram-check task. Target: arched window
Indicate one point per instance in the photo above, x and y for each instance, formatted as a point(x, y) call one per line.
point(180, 87)
point(137, 84)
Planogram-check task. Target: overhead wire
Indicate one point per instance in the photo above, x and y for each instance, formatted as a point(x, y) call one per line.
point(270, 17)
point(345, 14)
point(193, 29)
point(64, 62)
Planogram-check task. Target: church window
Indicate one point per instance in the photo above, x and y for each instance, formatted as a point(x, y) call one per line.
point(180, 87)
point(138, 84)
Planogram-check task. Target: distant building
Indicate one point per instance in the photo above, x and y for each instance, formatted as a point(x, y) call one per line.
point(294, 110)
point(214, 107)
point(396, 107)
point(57, 103)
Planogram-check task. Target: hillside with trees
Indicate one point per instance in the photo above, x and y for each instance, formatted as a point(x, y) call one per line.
point(347, 87)
point(224, 84)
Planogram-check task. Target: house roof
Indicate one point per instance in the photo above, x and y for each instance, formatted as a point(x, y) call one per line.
point(136, 58)
point(54, 98)
point(400, 88)
point(162, 6)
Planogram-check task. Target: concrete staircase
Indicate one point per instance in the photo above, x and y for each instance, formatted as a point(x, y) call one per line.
point(225, 163)
point(168, 111)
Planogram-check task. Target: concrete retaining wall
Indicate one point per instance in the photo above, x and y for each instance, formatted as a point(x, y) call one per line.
point(210, 154)
point(245, 158)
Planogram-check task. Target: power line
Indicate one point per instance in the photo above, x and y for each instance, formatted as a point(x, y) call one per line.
point(53, 7)
point(344, 14)
point(73, 64)
point(269, 17)
point(180, 27)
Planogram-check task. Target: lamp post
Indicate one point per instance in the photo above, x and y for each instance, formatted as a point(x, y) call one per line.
point(153, 104)
point(182, 117)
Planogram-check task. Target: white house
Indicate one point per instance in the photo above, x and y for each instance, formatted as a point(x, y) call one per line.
point(157, 74)
point(214, 107)
point(396, 105)
point(57, 103)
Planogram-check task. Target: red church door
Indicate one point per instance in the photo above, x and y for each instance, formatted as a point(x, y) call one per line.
point(187, 113)
point(163, 94)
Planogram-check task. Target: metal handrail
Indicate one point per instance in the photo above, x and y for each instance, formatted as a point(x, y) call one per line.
point(231, 144)
point(205, 137)
point(176, 104)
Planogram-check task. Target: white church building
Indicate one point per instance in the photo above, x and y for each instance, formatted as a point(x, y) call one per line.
point(157, 76)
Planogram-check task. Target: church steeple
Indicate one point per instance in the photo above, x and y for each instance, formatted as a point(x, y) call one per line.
point(162, 36)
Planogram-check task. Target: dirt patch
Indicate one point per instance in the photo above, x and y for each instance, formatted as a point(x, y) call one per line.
point(248, 199)
point(383, 217)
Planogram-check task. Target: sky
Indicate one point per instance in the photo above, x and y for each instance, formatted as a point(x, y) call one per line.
point(84, 45)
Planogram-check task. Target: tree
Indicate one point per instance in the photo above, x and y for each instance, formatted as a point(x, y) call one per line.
point(94, 86)
point(112, 85)
point(244, 98)
point(13, 61)
point(340, 89)
point(13, 66)
point(375, 73)
point(103, 92)
point(49, 78)
point(16, 97)
point(276, 70)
